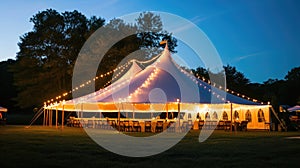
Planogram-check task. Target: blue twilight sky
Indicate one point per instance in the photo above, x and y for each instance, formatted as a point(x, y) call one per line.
point(259, 37)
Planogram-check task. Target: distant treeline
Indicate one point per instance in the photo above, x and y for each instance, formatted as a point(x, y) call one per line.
point(278, 92)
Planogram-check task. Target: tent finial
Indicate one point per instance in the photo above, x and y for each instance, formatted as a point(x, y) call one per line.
point(164, 42)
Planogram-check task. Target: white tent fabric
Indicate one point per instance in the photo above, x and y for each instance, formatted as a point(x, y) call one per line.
point(163, 76)
point(133, 70)
point(159, 83)
point(158, 87)
point(2, 109)
point(295, 108)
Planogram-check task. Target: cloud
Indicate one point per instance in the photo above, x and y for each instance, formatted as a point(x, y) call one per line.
point(196, 20)
point(247, 56)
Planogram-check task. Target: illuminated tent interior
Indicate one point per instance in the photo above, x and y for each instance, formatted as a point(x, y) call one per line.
point(3, 115)
point(2, 109)
point(164, 87)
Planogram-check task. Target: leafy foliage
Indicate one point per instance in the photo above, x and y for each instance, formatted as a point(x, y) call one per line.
point(7, 90)
point(48, 53)
point(150, 33)
point(277, 92)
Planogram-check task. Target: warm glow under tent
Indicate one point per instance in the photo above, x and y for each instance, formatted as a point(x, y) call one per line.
point(2, 109)
point(164, 86)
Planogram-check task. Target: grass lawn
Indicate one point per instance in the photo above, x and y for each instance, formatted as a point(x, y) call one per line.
point(49, 147)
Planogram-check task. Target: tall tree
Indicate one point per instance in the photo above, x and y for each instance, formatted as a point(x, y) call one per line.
point(7, 89)
point(151, 32)
point(293, 83)
point(293, 74)
point(201, 72)
point(235, 80)
point(48, 52)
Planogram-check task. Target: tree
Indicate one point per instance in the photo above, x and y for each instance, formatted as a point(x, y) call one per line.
point(236, 80)
point(234, 77)
point(7, 89)
point(45, 62)
point(293, 83)
point(47, 54)
point(293, 74)
point(201, 72)
point(150, 32)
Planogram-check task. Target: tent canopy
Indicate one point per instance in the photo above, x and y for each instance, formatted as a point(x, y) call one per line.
point(164, 81)
point(164, 86)
point(159, 83)
point(295, 108)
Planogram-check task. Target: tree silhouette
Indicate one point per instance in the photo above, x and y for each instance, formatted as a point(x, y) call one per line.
point(293, 83)
point(45, 62)
point(48, 53)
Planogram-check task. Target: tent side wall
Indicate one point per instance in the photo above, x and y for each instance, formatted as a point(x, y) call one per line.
point(257, 115)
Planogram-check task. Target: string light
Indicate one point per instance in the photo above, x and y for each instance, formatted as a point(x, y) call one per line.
point(230, 91)
point(146, 84)
point(214, 84)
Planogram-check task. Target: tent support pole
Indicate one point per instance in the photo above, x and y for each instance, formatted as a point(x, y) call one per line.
point(178, 115)
point(133, 113)
point(62, 117)
point(119, 120)
point(231, 116)
point(44, 111)
point(56, 118)
point(49, 112)
point(280, 122)
point(50, 118)
point(167, 113)
point(46, 120)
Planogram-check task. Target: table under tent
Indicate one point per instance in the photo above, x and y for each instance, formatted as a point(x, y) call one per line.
point(162, 92)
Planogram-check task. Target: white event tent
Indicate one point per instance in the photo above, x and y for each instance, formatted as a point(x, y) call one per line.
point(164, 86)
